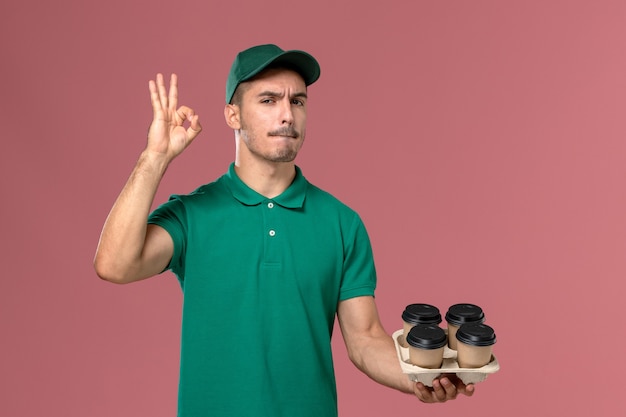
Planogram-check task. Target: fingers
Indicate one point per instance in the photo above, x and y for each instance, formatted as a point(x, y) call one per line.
point(439, 393)
point(159, 95)
point(173, 97)
point(185, 113)
point(154, 97)
point(466, 389)
point(458, 384)
point(162, 91)
point(195, 127)
point(422, 392)
point(164, 100)
point(443, 389)
point(164, 105)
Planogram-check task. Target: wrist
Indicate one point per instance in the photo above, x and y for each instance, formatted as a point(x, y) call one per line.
point(154, 161)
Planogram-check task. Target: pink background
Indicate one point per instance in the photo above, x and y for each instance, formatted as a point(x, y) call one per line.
point(483, 143)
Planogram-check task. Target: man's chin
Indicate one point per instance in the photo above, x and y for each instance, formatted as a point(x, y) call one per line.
point(285, 159)
point(283, 156)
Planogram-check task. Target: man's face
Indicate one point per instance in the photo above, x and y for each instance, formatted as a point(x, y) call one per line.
point(273, 115)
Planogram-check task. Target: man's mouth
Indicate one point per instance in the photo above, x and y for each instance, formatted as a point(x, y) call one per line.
point(286, 132)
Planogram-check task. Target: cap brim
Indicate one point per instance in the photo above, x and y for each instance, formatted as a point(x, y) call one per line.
point(300, 61)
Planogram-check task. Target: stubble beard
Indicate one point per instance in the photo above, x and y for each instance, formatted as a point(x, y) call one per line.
point(279, 154)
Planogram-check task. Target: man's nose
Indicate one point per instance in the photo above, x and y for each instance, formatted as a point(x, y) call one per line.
point(286, 111)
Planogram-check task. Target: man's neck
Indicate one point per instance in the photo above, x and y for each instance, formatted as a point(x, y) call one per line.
point(269, 179)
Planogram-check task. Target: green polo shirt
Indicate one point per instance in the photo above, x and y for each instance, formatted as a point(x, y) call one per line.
point(261, 280)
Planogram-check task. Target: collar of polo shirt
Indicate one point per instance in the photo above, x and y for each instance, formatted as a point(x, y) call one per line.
point(292, 197)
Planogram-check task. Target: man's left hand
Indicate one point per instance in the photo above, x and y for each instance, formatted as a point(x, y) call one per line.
point(446, 387)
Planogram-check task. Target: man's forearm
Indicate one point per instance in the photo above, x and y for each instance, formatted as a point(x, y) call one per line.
point(119, 253)
point(376, 357)
point(370, 348)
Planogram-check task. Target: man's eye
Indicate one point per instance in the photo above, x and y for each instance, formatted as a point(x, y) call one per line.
point(267, 100)
point(297, 102)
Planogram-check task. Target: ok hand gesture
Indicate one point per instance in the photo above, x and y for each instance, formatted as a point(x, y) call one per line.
point(167, 135)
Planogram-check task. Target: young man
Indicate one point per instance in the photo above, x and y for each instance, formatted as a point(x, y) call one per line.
point(265, 259)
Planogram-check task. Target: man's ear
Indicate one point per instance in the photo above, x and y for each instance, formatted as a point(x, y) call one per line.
point(232, 116)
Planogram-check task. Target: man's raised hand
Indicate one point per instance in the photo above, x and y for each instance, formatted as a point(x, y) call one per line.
point(167, 135)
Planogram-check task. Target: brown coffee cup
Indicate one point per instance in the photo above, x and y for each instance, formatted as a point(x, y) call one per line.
point(459, 314)
point(426, 344)
point(475, 345)
point(418, 313)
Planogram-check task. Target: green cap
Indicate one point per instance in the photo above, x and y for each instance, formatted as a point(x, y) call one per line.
point(252, 61)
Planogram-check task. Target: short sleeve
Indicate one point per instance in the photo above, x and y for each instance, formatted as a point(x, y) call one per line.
point(172, 217)
point(359, 272)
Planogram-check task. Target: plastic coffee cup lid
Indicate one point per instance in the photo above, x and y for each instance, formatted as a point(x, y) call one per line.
point(421, 314)
point(427, 336)
point(476, 334)
point(464, 313)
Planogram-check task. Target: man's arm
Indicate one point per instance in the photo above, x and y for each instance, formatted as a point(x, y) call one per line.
point(129, 248)
point(373, 351)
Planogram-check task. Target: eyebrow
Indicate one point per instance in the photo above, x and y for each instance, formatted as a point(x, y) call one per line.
point(269, 93)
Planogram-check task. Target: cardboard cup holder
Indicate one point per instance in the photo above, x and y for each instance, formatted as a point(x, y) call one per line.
point(449, 366)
